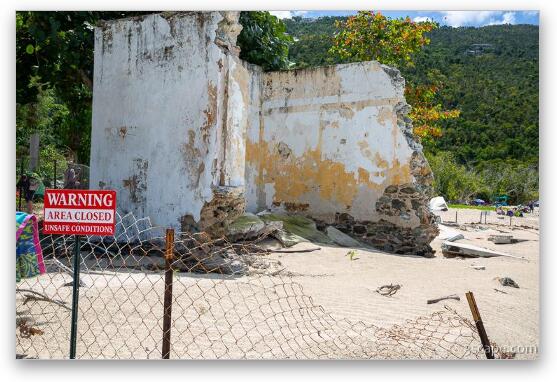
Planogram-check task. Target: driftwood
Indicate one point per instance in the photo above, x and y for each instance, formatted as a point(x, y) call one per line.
point(41, 297)
point(294, 250)
point(450, 297)
point(66, 269)
point(500, 291)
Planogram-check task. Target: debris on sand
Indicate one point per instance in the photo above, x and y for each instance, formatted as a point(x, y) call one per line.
point(507, 281)
point(450, 297)
point(501, 239)
point(452, 249)
point(504, 239)
point(388, 290)
point(448, 234)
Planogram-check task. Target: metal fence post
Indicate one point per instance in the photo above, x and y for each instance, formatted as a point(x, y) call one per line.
point(479, 325)
point(75, 297)
point(167, 318)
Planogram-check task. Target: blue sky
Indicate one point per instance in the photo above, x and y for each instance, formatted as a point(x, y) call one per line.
point(452, 18)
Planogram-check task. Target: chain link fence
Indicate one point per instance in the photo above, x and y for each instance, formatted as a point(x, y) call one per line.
point(229, 301)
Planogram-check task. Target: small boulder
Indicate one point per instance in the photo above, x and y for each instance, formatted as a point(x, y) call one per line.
point(507, 281)
point(341, 238)
point(248, 226)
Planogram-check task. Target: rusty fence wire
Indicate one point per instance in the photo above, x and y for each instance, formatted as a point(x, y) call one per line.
point(229, 301)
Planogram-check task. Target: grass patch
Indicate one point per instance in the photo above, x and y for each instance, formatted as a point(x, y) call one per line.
point(465, 206)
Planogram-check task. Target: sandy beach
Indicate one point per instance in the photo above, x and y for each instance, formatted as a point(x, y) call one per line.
point(319, 304)
point(347, 287)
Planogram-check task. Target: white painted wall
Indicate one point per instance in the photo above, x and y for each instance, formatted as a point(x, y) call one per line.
point(341, 127)
point(157, 114)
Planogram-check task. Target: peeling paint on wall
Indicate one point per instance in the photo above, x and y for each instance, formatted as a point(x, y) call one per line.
point(218, 135)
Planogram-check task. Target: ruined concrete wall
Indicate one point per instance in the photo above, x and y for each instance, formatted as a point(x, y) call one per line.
point(188, 134)
point(334, 143)
point(162, 87)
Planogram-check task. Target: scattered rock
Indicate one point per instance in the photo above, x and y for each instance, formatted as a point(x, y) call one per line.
point(248, 226)
point(478, 267)
point(341, 238)
point(288, 239)
point(501, 239)
point(299, 226)
point(507, 281)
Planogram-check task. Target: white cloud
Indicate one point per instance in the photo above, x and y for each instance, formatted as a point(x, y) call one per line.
point(463, 18)
point(287, 14)
point(282, 14)
point(508, 18)
point(421, 19)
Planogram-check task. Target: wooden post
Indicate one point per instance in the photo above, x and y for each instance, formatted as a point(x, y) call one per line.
point(167, 317)
point(479, 325)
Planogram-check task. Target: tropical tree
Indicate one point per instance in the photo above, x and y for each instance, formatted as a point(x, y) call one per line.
point(263, 40)
point(427, 113)
point(453, 180)
point(54, 50)
point(372, 36)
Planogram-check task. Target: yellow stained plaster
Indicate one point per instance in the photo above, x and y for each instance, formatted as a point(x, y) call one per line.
point(296, 176)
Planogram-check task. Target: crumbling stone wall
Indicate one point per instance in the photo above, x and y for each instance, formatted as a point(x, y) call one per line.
point(191, 136)
point(335, 143)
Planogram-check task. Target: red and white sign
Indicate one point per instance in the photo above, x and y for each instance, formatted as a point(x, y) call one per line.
point(79, 212)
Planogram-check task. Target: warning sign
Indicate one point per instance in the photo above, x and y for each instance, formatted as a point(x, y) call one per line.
point(79, 212)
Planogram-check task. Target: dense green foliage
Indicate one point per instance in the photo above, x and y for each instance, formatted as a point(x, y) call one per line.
point(54, 73)
point(456, 182)
point(494, 85)
point(54, 57)
point(263, 40)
